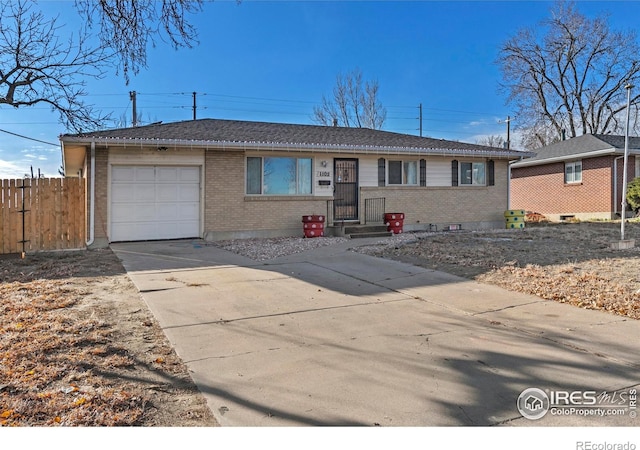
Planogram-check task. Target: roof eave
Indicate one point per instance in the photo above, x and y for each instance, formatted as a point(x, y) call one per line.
point(575, 156)
point(279, 146)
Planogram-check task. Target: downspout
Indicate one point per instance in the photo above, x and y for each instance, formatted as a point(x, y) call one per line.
point(615, 185)
point(92, 200)
point(509, 180)
point(509, 185)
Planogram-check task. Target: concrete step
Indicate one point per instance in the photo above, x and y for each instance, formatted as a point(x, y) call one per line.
point(356, 229)
point(370, 234)
point(365, 231)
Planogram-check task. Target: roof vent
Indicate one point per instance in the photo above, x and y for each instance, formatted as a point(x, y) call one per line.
point(335, 122)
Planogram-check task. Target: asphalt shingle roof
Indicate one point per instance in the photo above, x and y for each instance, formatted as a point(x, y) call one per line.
point(220, 131)
point(581, 145)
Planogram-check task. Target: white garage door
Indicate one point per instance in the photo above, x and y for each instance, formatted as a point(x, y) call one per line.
point(154, 202)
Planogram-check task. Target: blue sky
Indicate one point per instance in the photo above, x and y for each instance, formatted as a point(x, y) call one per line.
point(274, 60)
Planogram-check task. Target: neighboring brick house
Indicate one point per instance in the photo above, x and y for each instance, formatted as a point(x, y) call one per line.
point(220, 179)
point(578, 178)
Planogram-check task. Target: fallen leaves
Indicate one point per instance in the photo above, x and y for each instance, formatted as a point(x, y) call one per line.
point(79, 348)
point(44, 349)
point(568, 284)
point(568, 263)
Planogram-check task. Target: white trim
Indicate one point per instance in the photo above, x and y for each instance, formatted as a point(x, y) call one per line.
point(92, 200)
point(297, 147)
point(151, 157)
point(297, 158)
point(472, 184)
point(156, 164)
point(402, 161)
point(573, 163)
point(593, 154)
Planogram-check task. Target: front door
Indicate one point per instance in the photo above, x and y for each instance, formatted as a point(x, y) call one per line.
point(345, 182)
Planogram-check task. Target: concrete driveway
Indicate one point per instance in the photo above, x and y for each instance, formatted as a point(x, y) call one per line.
point(333, 337)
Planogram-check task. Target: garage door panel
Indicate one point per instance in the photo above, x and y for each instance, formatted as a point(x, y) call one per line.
point(189, 174)
point(145, 175)
point(167, 192)
point(188, 193)
point(189, 211)
point(167, 212)
point(120, 193)
point(132, 193)
point(167, 174)
point(132, 231)
point(143, 193)
point(154, 202)
point(119, 174)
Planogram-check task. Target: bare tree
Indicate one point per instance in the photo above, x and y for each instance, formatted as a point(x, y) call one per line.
point(42, 63)
point(354, 104)
point(37, 67)
point(127, 27)
point(569, 78)
point(492, 141)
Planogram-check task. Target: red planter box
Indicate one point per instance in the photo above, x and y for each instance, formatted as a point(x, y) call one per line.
point(313, 218)
point(394, 222)
point(313, 225)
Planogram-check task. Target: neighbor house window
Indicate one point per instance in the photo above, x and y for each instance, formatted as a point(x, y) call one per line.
point(279, 175)
point(403, 172)
point(573, 172)
point(473, 174)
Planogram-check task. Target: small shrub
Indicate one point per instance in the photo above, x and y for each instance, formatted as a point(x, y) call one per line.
point(633, 195)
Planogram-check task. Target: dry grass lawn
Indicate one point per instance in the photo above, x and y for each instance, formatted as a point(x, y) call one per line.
point(78, 347)
point(570, 263)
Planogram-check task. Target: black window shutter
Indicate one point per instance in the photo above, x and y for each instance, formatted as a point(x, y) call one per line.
point(381, 173)
point(423, 172)
point(491, 173)
point(454, 172)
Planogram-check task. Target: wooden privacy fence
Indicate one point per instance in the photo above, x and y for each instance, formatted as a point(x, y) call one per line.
point(42, 214)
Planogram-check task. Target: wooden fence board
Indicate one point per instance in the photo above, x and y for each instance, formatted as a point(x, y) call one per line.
point(28, 225)
point(13, 215)
point(3, 212)
point(55, 215)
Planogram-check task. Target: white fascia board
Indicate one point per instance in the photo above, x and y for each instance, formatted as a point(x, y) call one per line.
point(296, 147)
point(574, 157)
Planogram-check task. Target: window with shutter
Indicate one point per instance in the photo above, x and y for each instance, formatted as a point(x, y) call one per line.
point(381, 172)
point(491, 173)
point(454, 172)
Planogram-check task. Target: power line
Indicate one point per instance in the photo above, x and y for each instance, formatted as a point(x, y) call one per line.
point(29, 138)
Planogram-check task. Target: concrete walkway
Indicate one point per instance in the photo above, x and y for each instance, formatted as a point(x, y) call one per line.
point(333, 337)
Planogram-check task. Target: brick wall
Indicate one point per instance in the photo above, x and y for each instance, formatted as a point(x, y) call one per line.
point(228, 213)
point(102, 186)
point(631, 172)
point(475, 207)
point(542, 189)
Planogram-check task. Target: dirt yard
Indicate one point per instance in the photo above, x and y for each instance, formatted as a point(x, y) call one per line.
point(78, 347)
point(569, 263)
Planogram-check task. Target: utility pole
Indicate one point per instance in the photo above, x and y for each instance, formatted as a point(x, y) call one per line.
point(628, 87)
point(420, 108)
point(194, 105)
point(508, 132)
point(132, 97)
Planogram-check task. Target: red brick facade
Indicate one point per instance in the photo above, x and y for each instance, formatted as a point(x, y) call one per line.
point(542, 188)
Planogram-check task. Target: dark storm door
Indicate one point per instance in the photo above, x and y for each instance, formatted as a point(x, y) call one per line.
point(345, 195)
